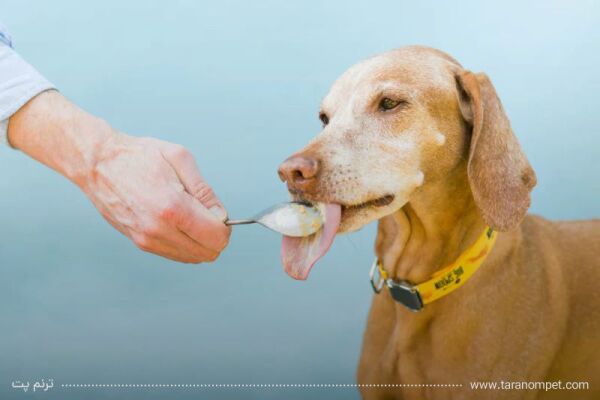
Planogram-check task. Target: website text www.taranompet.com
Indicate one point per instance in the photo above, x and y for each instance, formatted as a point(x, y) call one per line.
point(525, 385)
point(46, 384)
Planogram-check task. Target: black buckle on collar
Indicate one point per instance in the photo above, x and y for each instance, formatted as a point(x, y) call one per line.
point(405, 294)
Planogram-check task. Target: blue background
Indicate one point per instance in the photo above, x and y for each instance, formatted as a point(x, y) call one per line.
point(239, 84)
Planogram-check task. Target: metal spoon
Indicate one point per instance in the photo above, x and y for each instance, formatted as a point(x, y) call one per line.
point(289, 219)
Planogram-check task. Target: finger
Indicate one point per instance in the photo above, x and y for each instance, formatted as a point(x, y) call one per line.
point(185, 166)
point(200, 225)
point(186, 246)
point(178, 248)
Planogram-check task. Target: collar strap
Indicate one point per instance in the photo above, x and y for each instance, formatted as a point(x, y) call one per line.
point(442, 282)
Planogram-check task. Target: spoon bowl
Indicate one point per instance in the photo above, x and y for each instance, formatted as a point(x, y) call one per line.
point(293, 219)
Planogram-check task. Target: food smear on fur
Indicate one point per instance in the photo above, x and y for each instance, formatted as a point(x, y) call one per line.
point(299, 254)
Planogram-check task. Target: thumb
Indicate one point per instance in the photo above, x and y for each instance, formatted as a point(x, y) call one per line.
point(185, 167)
point(202, 192)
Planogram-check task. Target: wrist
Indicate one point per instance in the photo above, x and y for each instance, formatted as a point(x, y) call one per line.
point(54, 131)
point(93, 140)
point(106, 144)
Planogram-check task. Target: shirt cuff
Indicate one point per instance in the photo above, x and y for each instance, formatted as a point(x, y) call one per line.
point(19, 83)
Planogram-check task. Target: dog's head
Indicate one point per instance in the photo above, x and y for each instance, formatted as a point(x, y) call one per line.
point(396, 122)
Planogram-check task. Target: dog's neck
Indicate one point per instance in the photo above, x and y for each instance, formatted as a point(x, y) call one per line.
point(439, 223)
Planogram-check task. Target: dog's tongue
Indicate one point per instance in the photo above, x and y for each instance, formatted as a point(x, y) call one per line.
point(299, 254)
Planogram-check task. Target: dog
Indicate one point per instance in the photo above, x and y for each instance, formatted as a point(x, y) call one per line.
point(414, 140)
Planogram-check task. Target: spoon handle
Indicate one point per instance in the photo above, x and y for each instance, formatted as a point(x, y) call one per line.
point(239, 221)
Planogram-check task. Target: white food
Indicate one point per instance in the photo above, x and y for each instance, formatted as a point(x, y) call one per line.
point(295, 220)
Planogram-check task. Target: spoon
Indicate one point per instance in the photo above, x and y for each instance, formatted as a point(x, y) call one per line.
point(290, 219)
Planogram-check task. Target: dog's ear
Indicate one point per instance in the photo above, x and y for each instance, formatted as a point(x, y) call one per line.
point(499, 174)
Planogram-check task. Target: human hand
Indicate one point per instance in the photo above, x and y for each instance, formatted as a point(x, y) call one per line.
point(152, 192)
point(148, 189)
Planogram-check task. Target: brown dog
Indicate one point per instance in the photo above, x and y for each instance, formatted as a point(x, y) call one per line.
point(416, 141)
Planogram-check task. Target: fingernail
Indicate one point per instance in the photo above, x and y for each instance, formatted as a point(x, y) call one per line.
point(218, 212)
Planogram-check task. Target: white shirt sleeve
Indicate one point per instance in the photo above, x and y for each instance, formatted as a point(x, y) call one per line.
point(19, 82)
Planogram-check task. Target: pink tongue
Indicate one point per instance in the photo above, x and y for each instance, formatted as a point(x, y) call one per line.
point(299, 254)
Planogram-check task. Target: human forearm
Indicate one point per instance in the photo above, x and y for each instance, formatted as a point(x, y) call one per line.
point(54, 131)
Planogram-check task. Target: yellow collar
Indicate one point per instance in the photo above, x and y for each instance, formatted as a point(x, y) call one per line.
point(441, 283)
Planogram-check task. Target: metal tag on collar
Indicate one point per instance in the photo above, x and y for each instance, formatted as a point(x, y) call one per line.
point(375, 277)
point(406, 294)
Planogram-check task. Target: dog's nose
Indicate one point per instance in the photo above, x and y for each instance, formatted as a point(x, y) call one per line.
point(299, 172)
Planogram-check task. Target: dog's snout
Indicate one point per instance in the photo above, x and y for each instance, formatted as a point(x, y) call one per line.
point(299, 172)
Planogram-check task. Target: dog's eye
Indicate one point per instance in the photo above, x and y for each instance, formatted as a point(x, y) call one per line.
point(387, 104)
point(324, 118)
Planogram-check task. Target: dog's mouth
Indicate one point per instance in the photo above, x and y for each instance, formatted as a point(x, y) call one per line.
point(299, 254)
point(378, 202)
